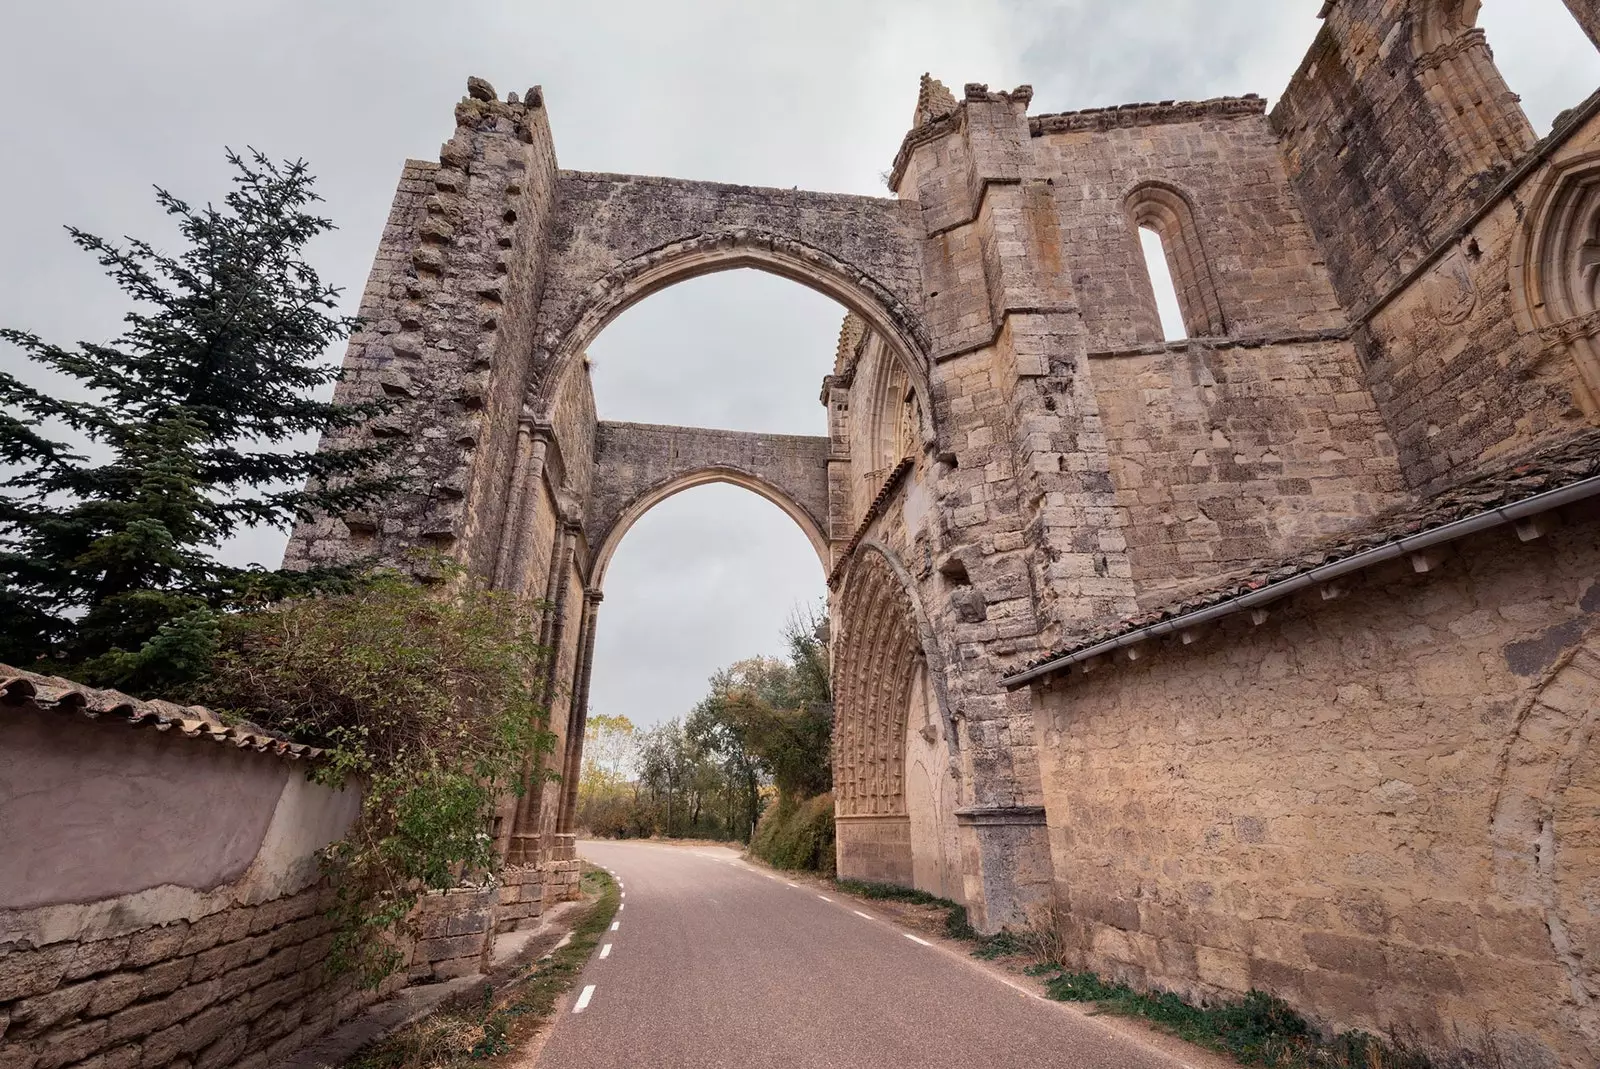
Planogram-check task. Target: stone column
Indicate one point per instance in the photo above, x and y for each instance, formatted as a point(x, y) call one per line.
point(524, 848)
point(578, 718)
point(1587, 12)
point(513, 521)
point(521, 547)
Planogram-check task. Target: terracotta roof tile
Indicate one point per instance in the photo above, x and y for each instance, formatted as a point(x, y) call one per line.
point(1568, 461)
point(193, 721)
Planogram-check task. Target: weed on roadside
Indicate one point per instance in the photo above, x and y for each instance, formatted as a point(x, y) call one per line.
point(956, 924)
point(1256, 1030)
point(490, 1022)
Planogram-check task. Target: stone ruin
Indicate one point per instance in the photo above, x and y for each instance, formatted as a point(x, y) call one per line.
point(1265, 659)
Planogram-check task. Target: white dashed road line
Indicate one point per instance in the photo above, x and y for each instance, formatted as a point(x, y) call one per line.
point(911, 937)
point(794, 885)
point(825, 898)
point(858, 913)
point(605, 951)
point(583, 999)
point(615, 925)
point(621, 906)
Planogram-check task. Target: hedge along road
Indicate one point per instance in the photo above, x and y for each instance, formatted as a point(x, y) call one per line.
point(716, 964)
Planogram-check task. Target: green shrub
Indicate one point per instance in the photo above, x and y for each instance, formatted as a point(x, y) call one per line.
point(1256, 1030)
point(429, 697)
point(797, 835)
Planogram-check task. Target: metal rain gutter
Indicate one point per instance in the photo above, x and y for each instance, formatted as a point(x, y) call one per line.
point(1450, 532)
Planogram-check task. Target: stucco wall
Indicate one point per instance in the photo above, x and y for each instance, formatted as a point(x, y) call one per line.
point(1380, 808)
point(159, 898)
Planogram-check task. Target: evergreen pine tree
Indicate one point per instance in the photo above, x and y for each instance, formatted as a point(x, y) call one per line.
point(106, 566)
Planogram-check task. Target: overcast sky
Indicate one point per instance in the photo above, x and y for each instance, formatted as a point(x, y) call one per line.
point(103, 98)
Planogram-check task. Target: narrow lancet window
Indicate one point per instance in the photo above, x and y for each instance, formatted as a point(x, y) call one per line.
point(1167, 304)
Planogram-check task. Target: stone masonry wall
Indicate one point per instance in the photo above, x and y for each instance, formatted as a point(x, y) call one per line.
point(1379, 174)
point(636, 461)
point(610, 224)
point(1224, 455)
point(243, 987)
point(448, 319)
point(1252, 243)
point(1458, 375)
point(1378, 808)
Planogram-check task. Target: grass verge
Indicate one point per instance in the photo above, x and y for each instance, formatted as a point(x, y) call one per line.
point(956, 925)
point(1256, 1030)
point(473, 1029)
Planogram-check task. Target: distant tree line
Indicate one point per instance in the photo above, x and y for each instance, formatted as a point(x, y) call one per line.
point(761, 735)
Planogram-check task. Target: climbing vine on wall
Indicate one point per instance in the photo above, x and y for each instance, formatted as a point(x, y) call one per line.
point(426, 696)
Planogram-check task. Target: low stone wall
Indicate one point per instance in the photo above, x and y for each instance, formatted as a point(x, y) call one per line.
point(244, 986)
point(161, 900)
point(1380, 808)
point(563, 872)
point(521, 898)
point(455, 933)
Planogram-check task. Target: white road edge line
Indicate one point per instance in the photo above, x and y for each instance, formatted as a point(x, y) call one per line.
point(583, 999)
point(825, 898)
point(858, 913)
point(911, 937)
point(605, 951)
point(615, 925)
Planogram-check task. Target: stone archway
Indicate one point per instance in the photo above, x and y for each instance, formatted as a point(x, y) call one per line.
point(895, 788)
point(620, 238)
point(637, 466)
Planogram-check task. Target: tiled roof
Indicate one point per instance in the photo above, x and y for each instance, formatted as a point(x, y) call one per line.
point(194, 721)
point(1552, 468)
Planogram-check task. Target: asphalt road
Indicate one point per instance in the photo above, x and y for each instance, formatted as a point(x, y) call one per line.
point(716, 965)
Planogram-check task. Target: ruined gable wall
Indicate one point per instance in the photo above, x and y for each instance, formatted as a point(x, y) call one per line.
point(1380, 174)
point(1416, 169)
point(1222, 158)
point(1223, 456)
point(1458, 373)
point(373, 369)
point(448, 318)
point(1345, 806)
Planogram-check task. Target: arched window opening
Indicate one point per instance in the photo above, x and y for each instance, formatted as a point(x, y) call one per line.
point(1167, 305)
point(1556, 273)
point(740, 350)
point(1546, 56)
point(1184, 298)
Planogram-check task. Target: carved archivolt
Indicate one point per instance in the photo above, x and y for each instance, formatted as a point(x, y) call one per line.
point(876, 655)
point(630, 281)
point(887, 428)
point(1555, 270)
point(1164, 210)
point(1478, 112)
